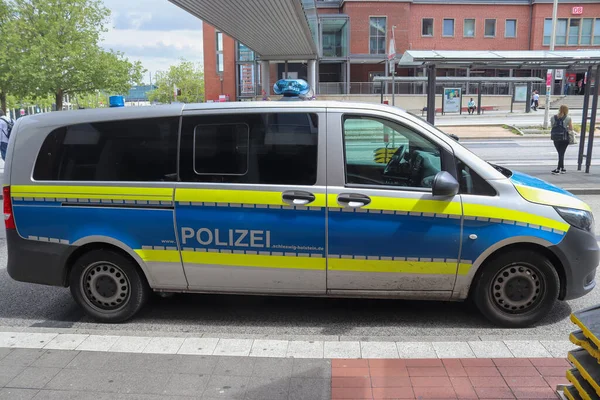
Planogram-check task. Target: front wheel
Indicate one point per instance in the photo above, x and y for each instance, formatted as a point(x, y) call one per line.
point(108, 286)
point(516, 289)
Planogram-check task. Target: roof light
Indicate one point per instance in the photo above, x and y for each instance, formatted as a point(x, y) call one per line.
point(291, 87)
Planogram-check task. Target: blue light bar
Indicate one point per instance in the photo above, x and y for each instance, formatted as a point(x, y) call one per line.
point(291, 87)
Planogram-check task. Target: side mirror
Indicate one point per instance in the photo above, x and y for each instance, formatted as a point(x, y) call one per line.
point(444, 185)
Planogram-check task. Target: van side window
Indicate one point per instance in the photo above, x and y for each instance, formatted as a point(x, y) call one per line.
point(140, 150)
point(471, 183)
point(257, 148)
point(382, 152)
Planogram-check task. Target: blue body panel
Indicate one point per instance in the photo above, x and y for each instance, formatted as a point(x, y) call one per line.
point(134, 227)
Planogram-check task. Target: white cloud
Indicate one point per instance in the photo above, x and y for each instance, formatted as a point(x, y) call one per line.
point(158, 36)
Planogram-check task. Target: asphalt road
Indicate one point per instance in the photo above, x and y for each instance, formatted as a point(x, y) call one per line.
point(26, 305)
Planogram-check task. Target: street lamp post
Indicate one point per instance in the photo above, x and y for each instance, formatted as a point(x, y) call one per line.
point(552, 43)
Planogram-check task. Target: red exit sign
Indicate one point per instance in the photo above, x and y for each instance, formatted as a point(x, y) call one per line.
point(577, 10)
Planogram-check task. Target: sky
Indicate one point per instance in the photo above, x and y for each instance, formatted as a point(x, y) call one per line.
point(155, 32)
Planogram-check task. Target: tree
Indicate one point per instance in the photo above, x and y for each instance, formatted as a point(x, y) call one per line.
point(9, 60)
point(60, 52)
point(186, 76)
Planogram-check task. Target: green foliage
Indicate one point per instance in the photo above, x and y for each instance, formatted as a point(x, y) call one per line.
point(55, 49)
point(186, 76)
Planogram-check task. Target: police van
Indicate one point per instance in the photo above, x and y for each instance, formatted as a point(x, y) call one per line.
point(302, 198)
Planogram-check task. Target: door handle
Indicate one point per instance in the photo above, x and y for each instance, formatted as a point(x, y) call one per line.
point(353, 200)
point(297, 197)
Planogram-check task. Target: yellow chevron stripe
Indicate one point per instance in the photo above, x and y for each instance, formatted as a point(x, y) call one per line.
point(239, 197)
point(93, 192)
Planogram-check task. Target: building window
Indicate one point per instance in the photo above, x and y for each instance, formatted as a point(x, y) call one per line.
point(137, 150)
point(219, 52)
point(561, 31)
point(574, 25)
point(377, 32)
point(597, 31)
point(586, 31)
point(490, 28)
point(334, 36)
point(510, 28)
point(427, 27)
point(255, 148)
point(448, 27)
point(469, 28)
point(547, 31)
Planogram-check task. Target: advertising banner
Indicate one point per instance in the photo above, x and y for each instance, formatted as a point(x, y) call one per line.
point(520, 93)
point(452, 100)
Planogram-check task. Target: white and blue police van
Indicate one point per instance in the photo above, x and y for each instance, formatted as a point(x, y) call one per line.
point(307, 198)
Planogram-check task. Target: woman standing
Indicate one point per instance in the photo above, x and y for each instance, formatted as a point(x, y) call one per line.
point(561, 126)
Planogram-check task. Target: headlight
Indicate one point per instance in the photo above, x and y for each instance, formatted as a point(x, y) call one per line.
point(580, 219)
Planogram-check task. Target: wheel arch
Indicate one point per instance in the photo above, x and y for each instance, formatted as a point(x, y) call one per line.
point(464, 284)
point(90, 243)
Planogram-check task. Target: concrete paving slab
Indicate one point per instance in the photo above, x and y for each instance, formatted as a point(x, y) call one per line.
point(200, 346)
point(233, 347)
point(342, 350)
point(164, 345)
point(130, 344)
point(416, 350)
point(491, 349)
point(526, 348)
point(453, 350)
point(98, 343)
point(66, 342)
point(269, 348)
point(305, 349)
point(378, 350)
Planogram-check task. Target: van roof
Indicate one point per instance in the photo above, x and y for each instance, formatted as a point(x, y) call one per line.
point(117, 113)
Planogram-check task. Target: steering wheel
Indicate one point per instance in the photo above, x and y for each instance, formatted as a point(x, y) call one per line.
point(394, 162)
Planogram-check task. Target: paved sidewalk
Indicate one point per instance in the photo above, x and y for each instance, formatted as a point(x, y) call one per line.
point(70, 374)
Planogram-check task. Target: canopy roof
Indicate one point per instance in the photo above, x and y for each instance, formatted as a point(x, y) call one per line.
point(576, 59)
point(275, 29)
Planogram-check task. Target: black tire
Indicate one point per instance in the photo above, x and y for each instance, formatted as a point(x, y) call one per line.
point(119, 289)
point(516, 289)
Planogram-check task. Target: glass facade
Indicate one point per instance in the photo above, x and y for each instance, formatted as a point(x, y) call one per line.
point(334, 37)
point(219, 47)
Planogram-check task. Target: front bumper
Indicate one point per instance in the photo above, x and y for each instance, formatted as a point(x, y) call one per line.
point(579, 254)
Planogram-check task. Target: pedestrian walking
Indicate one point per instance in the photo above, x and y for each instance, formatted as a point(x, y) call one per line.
point(562, 129)
point(6, 125)
point(535, 100)
point(471, 106)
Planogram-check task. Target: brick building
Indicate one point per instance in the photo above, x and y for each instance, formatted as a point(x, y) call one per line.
point(354, 38)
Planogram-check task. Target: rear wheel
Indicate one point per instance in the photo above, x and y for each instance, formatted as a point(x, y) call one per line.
point(108, 286)
point(516, 289)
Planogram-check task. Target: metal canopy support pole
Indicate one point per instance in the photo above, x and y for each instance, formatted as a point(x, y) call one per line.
point(478, 98)
point(265, 72)
point(528, 101)
point(393, 65)
point(348, 77)
point(588, 157)
point(431, 94)
point(584, 118)
point(312, 75)
point(286, 69)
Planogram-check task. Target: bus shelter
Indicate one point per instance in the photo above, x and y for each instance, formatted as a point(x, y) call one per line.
point(577, 60)
point(461, 79)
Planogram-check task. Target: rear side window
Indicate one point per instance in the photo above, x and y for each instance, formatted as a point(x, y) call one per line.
point(269, 148)
point(140, 150)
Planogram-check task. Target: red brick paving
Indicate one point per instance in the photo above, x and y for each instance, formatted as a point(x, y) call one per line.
point(508, 378)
